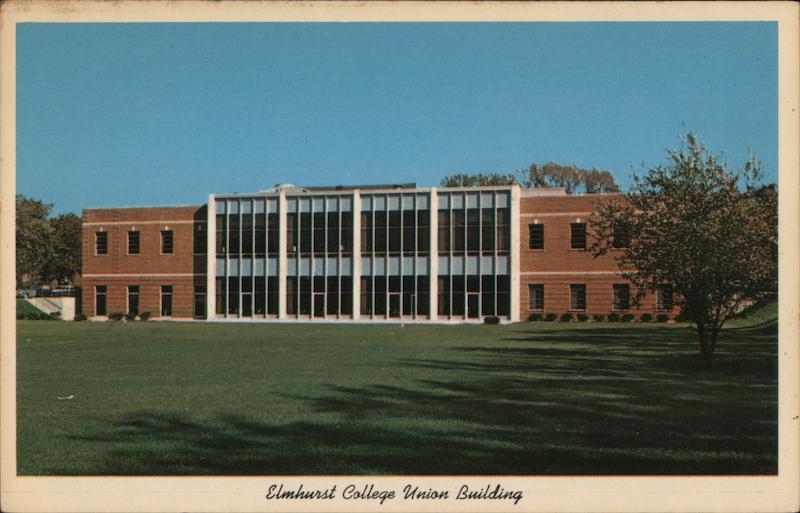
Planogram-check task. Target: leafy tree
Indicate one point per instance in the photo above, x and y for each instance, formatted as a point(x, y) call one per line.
point(34, 240)
point(465, 180)
point(710, 232)
point(572, 178)
point(65, 261)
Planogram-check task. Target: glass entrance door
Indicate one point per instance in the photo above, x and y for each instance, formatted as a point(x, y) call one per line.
point(472, 305)
point(247, 305)
point(319, 304)
point(394, 305)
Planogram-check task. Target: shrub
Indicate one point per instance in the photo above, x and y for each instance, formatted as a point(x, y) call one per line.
point(489, 319)
point(535, 317)
point(130, 316)
point(550, 317)
point(146, 315)
point(80, 317)
point(613, 317)
point(628, 317)
point(645, 317)
point(565, 317)
point(54, 316)
point(662, 318)
point(599, 317)
point(583, 317)
point(34, 316)
point(116, 316)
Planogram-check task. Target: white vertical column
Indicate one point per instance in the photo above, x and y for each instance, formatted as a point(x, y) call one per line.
point(515, 253)
point(211, 258)
point(355, 268)
point(434, 256)
point(282, 261)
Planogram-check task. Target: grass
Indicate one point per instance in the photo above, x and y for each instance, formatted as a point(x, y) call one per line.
point(531, 399)
point(25, 308)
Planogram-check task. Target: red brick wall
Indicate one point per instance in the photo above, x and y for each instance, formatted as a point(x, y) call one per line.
point(557, 266)
point(149, 269)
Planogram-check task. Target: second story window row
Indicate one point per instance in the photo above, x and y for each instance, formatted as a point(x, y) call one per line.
point(245, 226)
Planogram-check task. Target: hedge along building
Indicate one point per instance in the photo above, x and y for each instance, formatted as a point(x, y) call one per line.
point(372, 253)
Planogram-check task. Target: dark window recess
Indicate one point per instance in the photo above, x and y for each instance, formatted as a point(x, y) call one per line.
point(166, 300)
point(621, 238)
point(200, 240)
point(577, 297)
point(100, 299)
point(536, 297)
point(133, 243)
point(621, 296)
point(220, 296)
point(166, 242)
point(577, 236)
point(664, 299)
point(133, 299)
point(101, 243)
point(200, 301)
point(536, 236)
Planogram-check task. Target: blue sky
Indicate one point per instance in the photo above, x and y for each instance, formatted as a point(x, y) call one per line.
point(149, 114)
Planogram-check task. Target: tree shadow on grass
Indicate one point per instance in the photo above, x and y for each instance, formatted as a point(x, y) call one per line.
point(611, 402)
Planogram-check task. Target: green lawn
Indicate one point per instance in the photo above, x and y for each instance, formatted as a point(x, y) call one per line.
point(23, 307)
point(537, 398)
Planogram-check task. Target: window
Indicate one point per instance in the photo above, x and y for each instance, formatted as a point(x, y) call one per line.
point(199, 301)
point(621, 296)
point(536, 297)
point(133, 299)
point(166, 300)
point(536, 236)
point(664, 299)
point(200, 240)
point(577, 236)
point(133, 243)
point(100, 243)
point(166, 242)
point(577, 297)
point(100, 299)
point(620, 239)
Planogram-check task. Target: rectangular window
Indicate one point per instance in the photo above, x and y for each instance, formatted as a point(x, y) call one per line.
point(621, 296)
point(577, 236)
point(133, 243)
point(536, 297)
point(222, 238)
point(536, 236)
point(133, 299)
point(620, 239)
point(101, 243)
point(166, 242)
point(200, 240)
point(220, 294)
point(100, 299)
point(664, 299)
point(166, 300)
point(577, 297)
point(200, 301)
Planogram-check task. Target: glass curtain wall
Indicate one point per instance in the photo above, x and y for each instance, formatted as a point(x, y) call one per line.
point(247, 257)
point(319, 281)
point(395, 249)
point(474, 244)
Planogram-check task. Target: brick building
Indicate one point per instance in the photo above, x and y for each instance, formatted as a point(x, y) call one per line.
point(368, 253)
